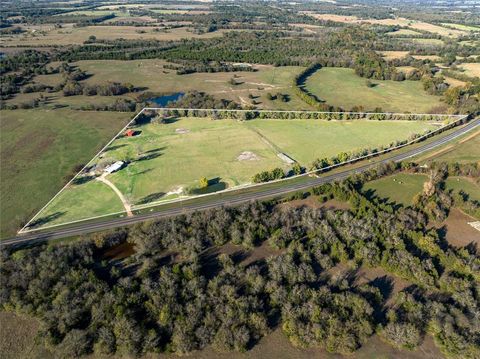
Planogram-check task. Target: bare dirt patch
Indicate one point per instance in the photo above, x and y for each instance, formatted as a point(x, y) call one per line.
point(459, 232)
point(247, 156)
point(182, 131)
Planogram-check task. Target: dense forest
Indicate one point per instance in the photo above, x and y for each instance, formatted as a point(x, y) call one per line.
point(178, 292)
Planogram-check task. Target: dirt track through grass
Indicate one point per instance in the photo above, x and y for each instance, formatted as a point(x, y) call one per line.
point(39, 148)
point(166, 160)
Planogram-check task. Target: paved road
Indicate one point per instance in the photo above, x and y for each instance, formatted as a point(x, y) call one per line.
point(260, 193)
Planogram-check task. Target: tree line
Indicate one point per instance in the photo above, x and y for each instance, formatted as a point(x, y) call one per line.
point(175, 294)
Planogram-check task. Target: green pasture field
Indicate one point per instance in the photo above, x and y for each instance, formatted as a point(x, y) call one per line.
point(427, 41)
point(307, 140)
point(466, 185)
point(400, 188)
point(39, 148)
point(82, 201)
point(152, 75)
point(57, 99)
point(464, 152)
point(462, 27)
point(165, 159)
point(342, 87)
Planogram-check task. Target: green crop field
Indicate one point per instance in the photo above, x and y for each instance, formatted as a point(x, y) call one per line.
point(342, 87)
point(168, 160)
point(400, 188)
point(39, 148)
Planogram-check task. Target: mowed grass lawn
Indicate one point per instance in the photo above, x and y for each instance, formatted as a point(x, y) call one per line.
point(80, 202)
point(207, 149)
point(39, 149)
point(164, 158)
point(342, 87)
point(307, 140)
point(400, 188)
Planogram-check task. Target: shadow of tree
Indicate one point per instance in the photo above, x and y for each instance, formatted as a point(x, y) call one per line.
point(151, 198)
point(214, 185)
point(82, 180)
point(149, 156)
point(116, 147)
point(44, 220)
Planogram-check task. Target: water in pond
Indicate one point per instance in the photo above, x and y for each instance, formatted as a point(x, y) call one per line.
point(163, 100)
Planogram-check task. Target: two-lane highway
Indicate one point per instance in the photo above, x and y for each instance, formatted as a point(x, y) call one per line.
point(216, 201)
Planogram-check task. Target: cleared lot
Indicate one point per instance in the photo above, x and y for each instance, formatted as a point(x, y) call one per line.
point(165, 161)
point(342, 87)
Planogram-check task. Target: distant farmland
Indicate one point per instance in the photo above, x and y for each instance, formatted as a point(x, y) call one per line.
point(342, 87)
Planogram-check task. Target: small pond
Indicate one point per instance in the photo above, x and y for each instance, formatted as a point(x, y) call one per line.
point(162, 101)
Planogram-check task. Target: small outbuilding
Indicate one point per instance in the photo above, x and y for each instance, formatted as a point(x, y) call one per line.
point(130, 133)
point(114, 167)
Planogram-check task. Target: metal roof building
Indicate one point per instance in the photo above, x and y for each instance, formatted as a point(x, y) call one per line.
point(114, 167)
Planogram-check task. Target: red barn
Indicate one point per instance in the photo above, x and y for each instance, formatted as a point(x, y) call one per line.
point(129, 133)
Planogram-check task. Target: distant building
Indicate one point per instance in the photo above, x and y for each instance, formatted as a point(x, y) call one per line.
point(114, 167)
point(129, 133)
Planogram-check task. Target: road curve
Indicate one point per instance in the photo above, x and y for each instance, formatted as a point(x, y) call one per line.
point(89, 227)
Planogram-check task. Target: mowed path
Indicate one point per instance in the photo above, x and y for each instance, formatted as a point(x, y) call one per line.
point(120, 195)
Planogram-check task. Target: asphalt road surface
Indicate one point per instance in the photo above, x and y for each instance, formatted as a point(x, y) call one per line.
point(260, 193)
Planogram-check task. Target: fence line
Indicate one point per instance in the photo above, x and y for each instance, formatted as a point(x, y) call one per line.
point(303, 111)
point(153, 204)
point(79, 172)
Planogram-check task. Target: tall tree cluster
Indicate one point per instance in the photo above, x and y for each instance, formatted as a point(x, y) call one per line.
point(178, 293)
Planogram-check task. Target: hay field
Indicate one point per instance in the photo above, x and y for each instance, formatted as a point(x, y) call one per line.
point(69, 35)
point(39, 149)
point(165, 161)
point(390, 55)
point(411, 24)
point(472, 69)
point(342, 87)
